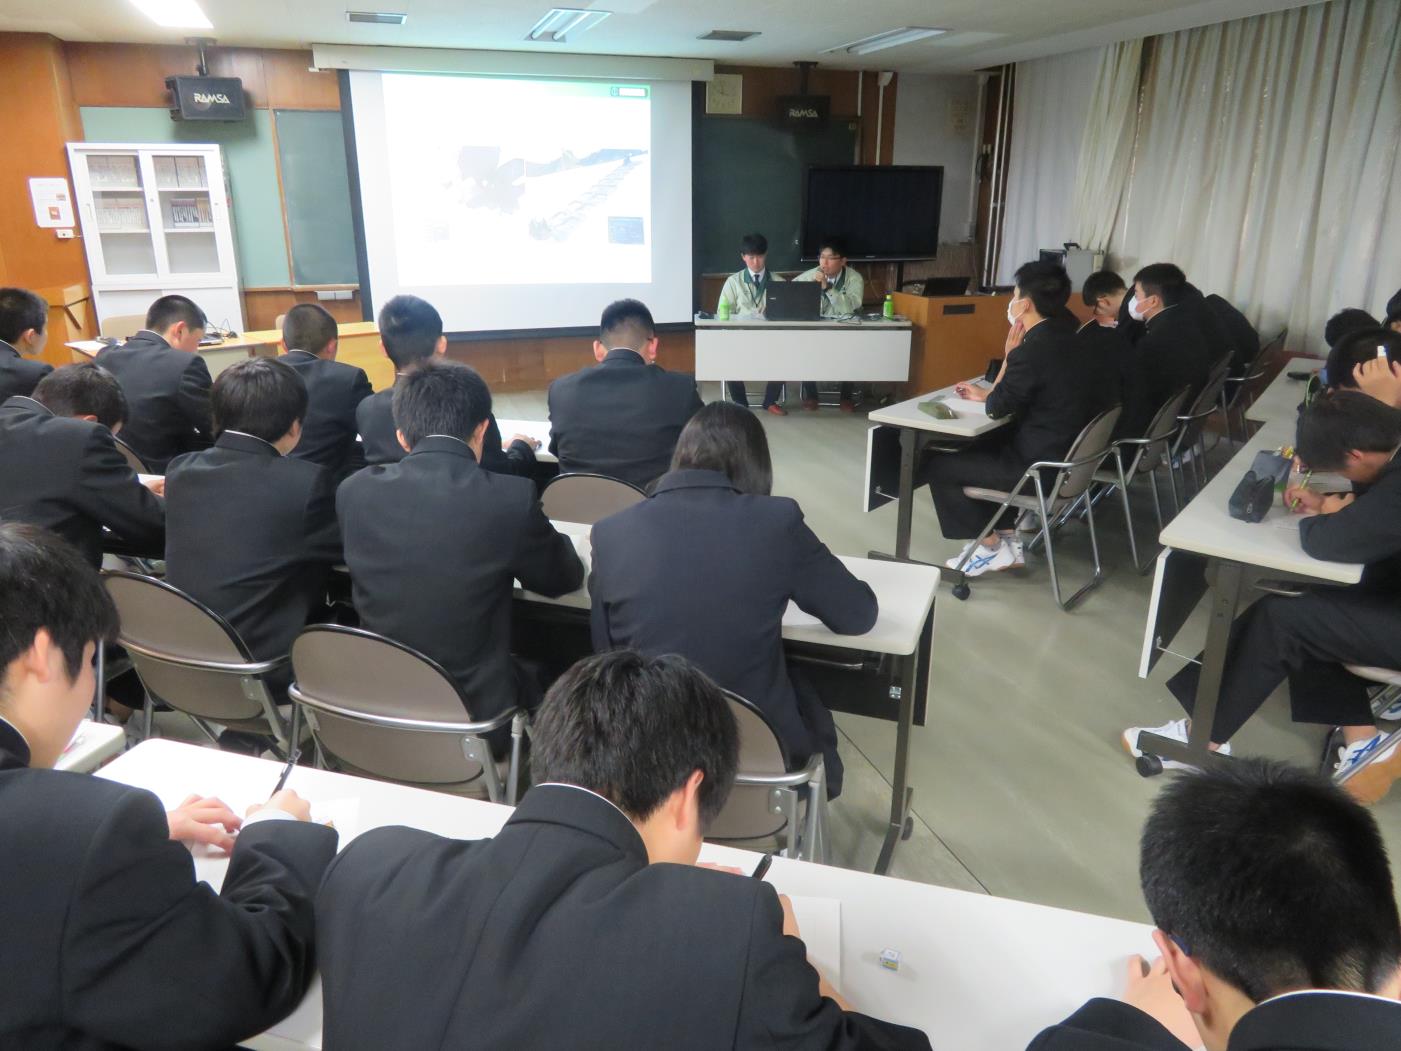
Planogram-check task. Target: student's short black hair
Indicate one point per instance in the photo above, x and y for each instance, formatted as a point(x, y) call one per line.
point(626, 323)
point(1101, 283)
point(410, 328)
point(1393, 308)
point(1345, 322)
point(634, 729)
point(835, 245)
point(753, 244)
point(21, 310)
point(45, 583)
point(726, 438)
point(1272, 878)
point(169, 310)
point(1164, 280)
point(258, 396)
point(86, 389)
point(1047, 285)
point(1344, 420)
point(309, 327)
point(1357, 348)
point(440, 397)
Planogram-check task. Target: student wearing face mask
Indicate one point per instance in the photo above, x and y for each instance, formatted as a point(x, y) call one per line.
point(1053, 383)
point(746, 292)
point(1173, 351)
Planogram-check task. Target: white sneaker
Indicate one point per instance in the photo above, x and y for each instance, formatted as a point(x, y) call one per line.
point(1176, 730)
point(1018, 550)
point(952, 563)
point(990, 559)
point(1392, 712)
point(1372, 781)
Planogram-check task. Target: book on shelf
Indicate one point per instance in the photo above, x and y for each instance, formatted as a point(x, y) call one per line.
point(111, 172)
point(189, 172)
point(184, 211)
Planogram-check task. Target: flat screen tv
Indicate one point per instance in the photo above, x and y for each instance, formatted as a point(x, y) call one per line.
point(885, 213)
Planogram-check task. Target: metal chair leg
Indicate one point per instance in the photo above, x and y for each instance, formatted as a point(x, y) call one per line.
point(477, 750)
point(514, 774)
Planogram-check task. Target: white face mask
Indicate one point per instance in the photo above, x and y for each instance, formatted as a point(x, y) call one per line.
point(1012, 316)
point(1134, 312)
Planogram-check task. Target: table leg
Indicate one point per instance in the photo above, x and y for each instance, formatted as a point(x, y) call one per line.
point(907, 687)
point(1225, 599)
point(905, 503)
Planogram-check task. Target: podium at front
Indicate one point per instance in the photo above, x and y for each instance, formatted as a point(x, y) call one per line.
point(954, 337)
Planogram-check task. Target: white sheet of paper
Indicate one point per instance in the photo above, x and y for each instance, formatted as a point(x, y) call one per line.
point(965, 407)
point(820, 921)
point(343, 814)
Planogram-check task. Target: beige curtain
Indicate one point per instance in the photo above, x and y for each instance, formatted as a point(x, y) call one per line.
point(1107, 145)
point(1266, 163)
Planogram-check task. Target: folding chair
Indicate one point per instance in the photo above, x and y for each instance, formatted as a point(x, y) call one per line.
point(1238, 393)
point(190, 658)
point(768, 796)
point(1074, 476)
point(379, 708)
point(587, 498)
point(1390, 681)
point(1146, 456)
point(1191, 439)
point(122, 326)
point(133, 459)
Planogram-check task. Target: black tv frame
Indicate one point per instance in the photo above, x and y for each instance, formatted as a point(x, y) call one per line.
point(807, 179)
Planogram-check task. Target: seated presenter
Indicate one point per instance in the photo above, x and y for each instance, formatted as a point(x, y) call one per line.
point(843, 290)
point(746, 294)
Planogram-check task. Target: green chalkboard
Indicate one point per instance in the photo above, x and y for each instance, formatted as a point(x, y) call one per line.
point(316, 189)
point(748, 177)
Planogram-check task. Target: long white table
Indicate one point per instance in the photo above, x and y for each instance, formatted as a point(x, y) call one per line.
point(976, 973)
point(903, 633)
point(873, 350)
point(537, 429)
point(92, 745)
point(1271, 547)
point(1279, 402)
point(916, 428)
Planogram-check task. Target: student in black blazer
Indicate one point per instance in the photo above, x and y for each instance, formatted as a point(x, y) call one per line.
point(705, 568)
point(60, 468)
point(1276, 919)
point(166, 382)
point(411, 332)
point(334, 390)
point(1053, 383)
point(110, 941)
point(1174, 351)
point(434, 542)
point(584, 923)
point(621, 418)
point(250, 531)
point(24, 319)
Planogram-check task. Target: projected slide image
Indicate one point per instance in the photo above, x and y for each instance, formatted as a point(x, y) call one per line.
point(496, 181)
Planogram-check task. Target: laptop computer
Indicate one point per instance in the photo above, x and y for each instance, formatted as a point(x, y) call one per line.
point(946, 286)
point(794, 301)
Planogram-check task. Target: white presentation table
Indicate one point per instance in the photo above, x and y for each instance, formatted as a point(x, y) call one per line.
point(1206, 529)
point(903, 631)
point(917, 427)
point(752, 348)
point(92, 745)
point(1279, 402)
point(976, 973)
point(537, 429)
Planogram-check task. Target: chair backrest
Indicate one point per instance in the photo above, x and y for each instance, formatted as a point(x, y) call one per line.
point(1274, 343)
point(587, 498)
point(1206, 402)
point(170, 624)
point(133, 460)
point(1253, 382)
point(122, 326)
point(748, 812)
point(358, 671)
point(1091, 445)
point(1161, 429)
point(277, 321)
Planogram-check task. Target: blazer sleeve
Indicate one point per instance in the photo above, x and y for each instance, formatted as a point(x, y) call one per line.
point(170, 964)
point(1107, 1025)
point(1367, 530)
point(825, 588)
point(193, 396)
point(1017, 386)
point(109, 492)
point(545, 560)
point(322, 527)
point(600, 632)
point(360, 389)
point(781, 1007)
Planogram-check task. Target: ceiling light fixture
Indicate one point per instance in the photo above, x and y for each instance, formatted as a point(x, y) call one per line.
point(890, 38)
point(560, 23)
point(174, 14)
point(377, 18)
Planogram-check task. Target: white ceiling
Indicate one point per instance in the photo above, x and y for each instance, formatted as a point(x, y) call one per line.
point(981, 32)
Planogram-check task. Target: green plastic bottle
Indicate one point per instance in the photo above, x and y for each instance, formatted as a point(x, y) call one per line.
point(723, 313)
point(890, 304)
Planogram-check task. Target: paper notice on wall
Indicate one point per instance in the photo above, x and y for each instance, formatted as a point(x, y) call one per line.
point(53, 202)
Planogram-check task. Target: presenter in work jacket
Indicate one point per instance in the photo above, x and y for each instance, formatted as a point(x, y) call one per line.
point(746, 294)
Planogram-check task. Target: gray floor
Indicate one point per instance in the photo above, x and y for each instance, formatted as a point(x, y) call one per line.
point(1022, 788)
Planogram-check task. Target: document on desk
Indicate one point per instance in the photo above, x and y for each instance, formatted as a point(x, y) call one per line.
point(966, 407)
point(341, 814)
point(820, 923)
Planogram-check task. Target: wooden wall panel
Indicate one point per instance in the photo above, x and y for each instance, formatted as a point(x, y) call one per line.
point(261, 306)
point(134, 75)
point(38, 119)
point(531, 364)
point(292, 85)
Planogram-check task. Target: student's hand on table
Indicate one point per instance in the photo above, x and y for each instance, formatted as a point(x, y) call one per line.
point(199, 819)
point(534, 443)
point(288, 802)
point(1150, 989)
point(733, 869)
point(1335, 502)
point(1014, 337)
point(1302, 500)
point(971, 392)
point(156, 483)
point(1381, 379)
